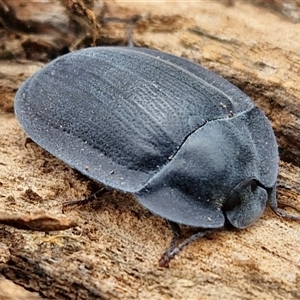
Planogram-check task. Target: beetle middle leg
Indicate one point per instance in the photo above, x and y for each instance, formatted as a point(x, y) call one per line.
point(173, 250)
point(86, 200)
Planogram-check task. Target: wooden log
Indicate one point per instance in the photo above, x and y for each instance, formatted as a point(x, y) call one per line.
point(113, 253)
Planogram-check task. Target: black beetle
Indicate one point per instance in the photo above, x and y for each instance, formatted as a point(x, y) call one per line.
point(188, 144)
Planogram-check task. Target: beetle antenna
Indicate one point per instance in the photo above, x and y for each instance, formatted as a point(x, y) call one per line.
point(85, 200)
point(172, 251)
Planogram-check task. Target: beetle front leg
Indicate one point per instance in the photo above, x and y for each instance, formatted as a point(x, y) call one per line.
point(173, 250)
point(272, 201)
point(165, 258)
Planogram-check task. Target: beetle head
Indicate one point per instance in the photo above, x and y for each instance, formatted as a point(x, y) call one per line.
point(245, 204)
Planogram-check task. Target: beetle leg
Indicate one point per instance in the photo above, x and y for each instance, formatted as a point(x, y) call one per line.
point(172, 251)
point(86, 200)
point(165, 258)
point(278, 211)
point(176, 235)
point(281, 213)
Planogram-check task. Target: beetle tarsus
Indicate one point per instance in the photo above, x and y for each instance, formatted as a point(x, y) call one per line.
point(84, 201)
point(164, 260)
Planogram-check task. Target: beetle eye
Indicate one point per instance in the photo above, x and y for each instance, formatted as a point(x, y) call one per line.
point(232, 201)
point(253, 185)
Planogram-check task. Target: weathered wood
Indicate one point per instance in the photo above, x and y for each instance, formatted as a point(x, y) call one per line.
point(114, 251)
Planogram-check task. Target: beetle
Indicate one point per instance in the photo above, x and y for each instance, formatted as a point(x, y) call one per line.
point(191, 147)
